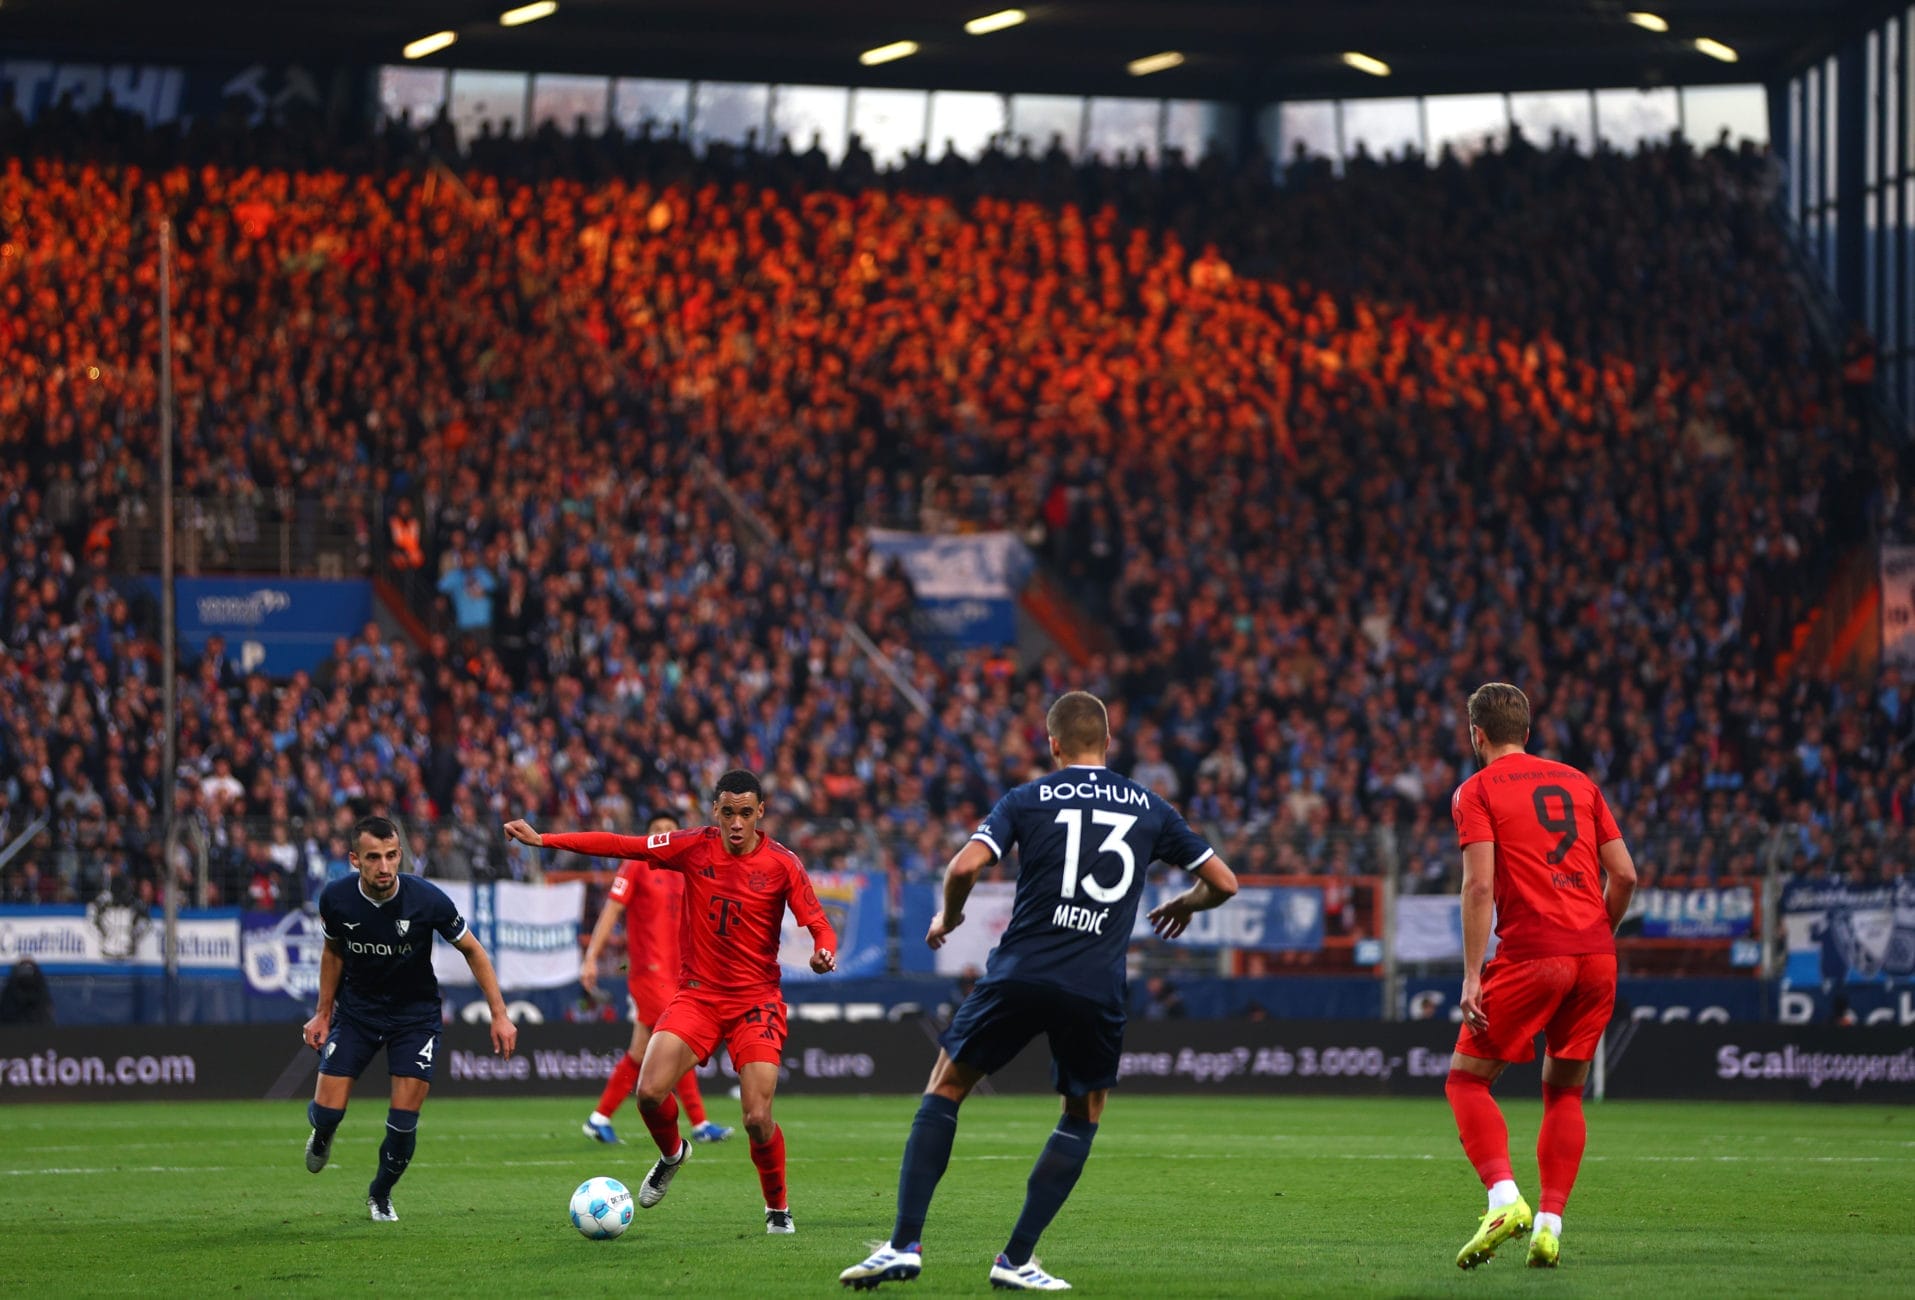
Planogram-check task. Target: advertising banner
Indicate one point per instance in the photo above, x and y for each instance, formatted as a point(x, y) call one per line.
point(854, 901)
point(1898, 604)
point(1263, 1058)
point(1838, 933)
point(530, 931)
point(1764, 1063)
point(966, 584)
point(111, 938)
point(277, 626)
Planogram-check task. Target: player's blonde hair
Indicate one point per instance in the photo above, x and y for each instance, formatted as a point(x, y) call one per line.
point(1501, 712)
point(1079, 723)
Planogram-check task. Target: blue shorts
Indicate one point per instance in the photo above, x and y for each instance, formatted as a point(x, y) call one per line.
point(999, 1019)
point(412, 1045)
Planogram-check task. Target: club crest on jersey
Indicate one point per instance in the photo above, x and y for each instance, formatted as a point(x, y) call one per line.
point(402, 925)
point(759, 880)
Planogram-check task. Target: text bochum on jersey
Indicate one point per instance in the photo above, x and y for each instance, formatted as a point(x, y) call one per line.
point(1085, 838)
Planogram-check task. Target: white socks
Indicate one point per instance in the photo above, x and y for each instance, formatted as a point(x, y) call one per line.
point(1550, 1222)
point(1503, 1193)
point(601, 1119)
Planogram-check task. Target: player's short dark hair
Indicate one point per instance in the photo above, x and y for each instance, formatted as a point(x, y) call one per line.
point(738, 781)
point(1079, 723)
point(663, 815)
point(378, 828)
point(1500, 712)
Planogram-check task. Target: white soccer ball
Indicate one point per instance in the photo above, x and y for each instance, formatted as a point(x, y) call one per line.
point(601, 1208)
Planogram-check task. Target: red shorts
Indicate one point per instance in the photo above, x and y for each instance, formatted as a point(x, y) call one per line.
point(1566, 999)
point(751, 1025)
point(650, 996)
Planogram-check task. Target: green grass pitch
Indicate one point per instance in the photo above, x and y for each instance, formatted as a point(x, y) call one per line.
point(1199, 1197)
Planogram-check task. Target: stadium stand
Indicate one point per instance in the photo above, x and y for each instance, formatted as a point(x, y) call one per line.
point(1319, 454)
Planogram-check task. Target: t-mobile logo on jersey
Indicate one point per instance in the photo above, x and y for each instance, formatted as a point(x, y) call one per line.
point(722, 911)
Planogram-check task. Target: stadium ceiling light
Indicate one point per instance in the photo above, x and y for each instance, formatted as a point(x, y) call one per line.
point(429, 44)
point(887, 53)
point(1716, 50)
point(1155, 63)
point(1364, 63)
point(1649, 22)
point(528, 13)
point(996, 22)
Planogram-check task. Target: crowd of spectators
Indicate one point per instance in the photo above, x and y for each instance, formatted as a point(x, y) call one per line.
point(1319, 455)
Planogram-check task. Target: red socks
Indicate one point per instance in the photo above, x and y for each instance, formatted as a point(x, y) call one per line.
point(1479, 1122)
point(688, 1097)
point(625, 1079)
point(1559, 1145)
point(619, 1086)
point(770, 1159)
point(663, 1125)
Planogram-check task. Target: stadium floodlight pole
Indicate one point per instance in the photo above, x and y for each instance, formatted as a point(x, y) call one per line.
point(169, 629)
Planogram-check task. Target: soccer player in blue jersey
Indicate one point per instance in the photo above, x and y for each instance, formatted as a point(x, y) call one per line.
point(377, 989)
point(1085, 838)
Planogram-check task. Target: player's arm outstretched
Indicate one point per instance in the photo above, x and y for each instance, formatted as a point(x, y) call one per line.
point(593, 844)
point(505, 1034)
point(331, 967)
point(1215, 885)
point(960, 875)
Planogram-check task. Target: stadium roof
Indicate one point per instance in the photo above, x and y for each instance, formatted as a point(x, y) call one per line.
point(1247, 50)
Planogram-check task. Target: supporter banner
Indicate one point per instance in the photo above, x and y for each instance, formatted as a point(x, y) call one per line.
point(1840, 933)
point(1898, 604)
point(281, 955)
point(160, 93)
point(103, 938)
point(986, 915)
point(855, 903)
point(1429, 927)
point(277, 626)
point(1725, 913)
point(1284, 918)
point(966, 584)
point(1259, 919)
point(530, 931)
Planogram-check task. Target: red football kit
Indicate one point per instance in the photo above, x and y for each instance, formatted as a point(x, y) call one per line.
point(730, 918)
point(1555, 965)
point(651, 900)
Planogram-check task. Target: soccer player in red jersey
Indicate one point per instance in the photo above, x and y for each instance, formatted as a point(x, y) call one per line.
point(738, 883)
point(649, 902)
point(1542, 855)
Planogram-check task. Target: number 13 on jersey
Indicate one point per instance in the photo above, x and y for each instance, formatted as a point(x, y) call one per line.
point(1072, 820)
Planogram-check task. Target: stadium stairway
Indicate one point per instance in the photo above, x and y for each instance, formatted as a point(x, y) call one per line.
point(1836, 631)
point(1050, 609)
